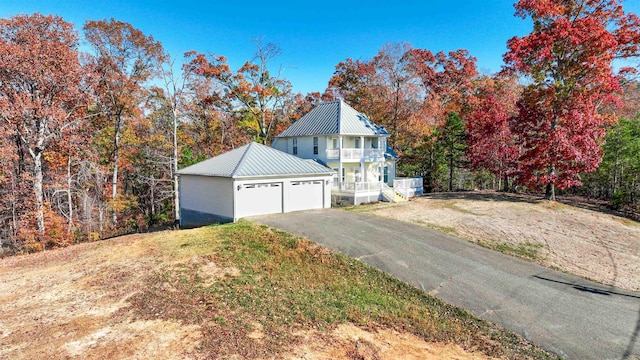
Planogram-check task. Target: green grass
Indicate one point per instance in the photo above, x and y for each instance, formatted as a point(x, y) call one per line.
point(286, 283)
point(526, 250)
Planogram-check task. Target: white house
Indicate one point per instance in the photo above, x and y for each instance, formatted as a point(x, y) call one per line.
point(344, 139)
point(251, 180)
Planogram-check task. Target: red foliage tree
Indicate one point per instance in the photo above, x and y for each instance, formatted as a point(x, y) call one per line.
point(491, 143)
point(568, 58)
point(447, 80)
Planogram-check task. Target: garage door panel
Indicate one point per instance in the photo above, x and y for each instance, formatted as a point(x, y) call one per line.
point(259, 199)
point(305, 195)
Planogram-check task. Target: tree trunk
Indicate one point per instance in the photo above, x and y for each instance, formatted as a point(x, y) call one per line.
point(176, 187)
point(550, 192)
point(37, 189)
point(506, 184)
point(69, 197)
point(451, 173)
point(114, 180)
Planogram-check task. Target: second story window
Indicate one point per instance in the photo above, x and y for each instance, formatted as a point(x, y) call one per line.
point(374, 143)
point(295, 146)
point(357, 141)
point(315, 145)
point(335, 143)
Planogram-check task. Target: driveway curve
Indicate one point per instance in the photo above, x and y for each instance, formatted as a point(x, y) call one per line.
point(566, 315)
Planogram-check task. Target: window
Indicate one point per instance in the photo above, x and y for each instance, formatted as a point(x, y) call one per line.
point(357, 175)
point(335, 143)
point(315, 145)
point(380, 173)
point(386, 174)
point(357, 141)
point(295, 146)
point(374, 143)
point(343, 172)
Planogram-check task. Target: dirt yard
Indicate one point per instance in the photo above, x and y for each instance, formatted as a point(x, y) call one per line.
point(587, 243)
point(69, 303)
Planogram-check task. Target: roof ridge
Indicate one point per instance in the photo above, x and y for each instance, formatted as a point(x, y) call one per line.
point(242, 159)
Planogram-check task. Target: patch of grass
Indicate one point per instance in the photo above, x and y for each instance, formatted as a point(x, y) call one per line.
point(443, 229)
point(455, 207)
point(285, 284)
point(526, 250)
point(367, 208)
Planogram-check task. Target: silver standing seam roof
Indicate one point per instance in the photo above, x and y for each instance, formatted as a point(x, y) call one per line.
point(333, 118)
point(253, 160)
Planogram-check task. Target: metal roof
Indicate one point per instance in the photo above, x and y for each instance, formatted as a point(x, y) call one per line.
point(333, 118)
point(252, 160)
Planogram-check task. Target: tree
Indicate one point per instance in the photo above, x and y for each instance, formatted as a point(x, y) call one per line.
point(451, 140)
point(175, 89)
point(446, 79)
point(261, 99)
point(492, 145)
point(568, 60)
point(125, 59)
point(42, 93)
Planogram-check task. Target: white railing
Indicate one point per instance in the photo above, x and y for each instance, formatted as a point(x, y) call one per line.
point(333, 153)
point(357, 186)
point(355, 154)
point(408, 187)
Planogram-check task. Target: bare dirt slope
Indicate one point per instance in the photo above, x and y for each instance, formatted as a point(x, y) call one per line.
point(71, 303)
point(587, 243)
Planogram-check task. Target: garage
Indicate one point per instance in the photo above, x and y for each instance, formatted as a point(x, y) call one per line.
point(305, 195)
point(248, 181)
point(259, 199)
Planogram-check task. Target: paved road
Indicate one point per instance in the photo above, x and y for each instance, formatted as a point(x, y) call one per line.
point(567, 315)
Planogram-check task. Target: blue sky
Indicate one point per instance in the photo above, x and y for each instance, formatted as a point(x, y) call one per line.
point(313, 37)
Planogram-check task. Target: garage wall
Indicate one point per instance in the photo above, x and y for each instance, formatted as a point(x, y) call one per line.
point(205, 200)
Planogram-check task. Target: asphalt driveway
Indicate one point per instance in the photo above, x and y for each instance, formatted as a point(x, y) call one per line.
point(567, 315)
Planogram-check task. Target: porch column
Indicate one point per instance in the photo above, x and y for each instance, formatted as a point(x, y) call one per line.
point(363, 174)
point(340, 162)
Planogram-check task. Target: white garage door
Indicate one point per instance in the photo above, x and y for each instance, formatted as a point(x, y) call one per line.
point(259, 199)
point(305, 195)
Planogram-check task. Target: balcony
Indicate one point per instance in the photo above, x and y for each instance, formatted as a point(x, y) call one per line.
point(368, 154)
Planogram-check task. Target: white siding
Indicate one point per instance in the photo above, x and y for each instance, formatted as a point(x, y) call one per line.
point(207, 194)
point(373, 173)
point(282, 144)
point(391, 164)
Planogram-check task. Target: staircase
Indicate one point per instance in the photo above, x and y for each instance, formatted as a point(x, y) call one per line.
point(390, 195)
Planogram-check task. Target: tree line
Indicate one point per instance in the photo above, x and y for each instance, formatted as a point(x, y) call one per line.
point(90, 142)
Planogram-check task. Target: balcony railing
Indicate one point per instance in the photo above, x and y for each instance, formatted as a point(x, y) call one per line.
point(355, 154)
point(357, 186)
